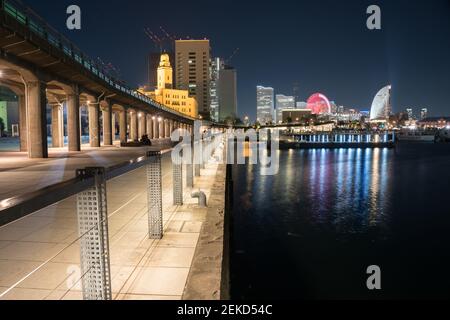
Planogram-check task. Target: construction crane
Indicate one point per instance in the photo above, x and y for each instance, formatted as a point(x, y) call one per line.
point(156, 40)
point(168, 36)
point(232, 56)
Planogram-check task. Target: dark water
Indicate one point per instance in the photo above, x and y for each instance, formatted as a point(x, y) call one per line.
point(311, 231)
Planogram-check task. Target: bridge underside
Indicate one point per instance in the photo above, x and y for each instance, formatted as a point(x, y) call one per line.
point(44, 76)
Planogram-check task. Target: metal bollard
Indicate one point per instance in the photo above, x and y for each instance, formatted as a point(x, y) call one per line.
point(201, 198)
point(197, 158)
point(190, 167)
point(178, 181)
point(93, 230)
point(154, 195)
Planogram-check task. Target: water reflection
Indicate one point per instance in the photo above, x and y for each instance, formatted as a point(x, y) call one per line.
point(329, 214)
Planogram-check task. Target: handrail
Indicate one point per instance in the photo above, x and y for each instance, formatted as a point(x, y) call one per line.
point(30, 19)
point(20, 206)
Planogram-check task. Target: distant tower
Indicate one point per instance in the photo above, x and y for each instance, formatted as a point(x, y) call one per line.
point(165, 73)
point(423, 113)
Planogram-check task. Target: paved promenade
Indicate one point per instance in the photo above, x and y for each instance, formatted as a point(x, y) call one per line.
point(40, 254)
point(19, 175)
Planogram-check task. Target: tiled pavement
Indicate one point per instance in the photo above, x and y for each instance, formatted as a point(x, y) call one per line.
point(39, 254)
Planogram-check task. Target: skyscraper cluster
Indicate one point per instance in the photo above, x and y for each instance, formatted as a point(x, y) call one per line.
point(270, 107)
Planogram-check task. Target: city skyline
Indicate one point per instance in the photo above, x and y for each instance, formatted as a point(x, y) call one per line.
point(349, 62)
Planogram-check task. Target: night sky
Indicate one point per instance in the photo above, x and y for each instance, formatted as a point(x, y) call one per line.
point(323, 45)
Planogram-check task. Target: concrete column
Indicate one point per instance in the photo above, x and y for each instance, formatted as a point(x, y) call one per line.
point(123, 126)
point(113, 126)
point(142, 124)
point(171, 129)
point(161, 129)
point(73, 122)
point(36, 119)
point(167, 129)
point(155, 128)
point(22, 123)
point(57, 126)
point(149, 127)
point(107, 125)
point(133, 126)
point(94, 126)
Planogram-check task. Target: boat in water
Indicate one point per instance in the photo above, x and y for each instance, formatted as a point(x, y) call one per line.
point(417, 136)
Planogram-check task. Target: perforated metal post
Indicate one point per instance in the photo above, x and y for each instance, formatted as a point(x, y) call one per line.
point(204, 148)
point(190, 167)
point(93, 230)
point(154, 195)
point(197, 157)
point(177, 182)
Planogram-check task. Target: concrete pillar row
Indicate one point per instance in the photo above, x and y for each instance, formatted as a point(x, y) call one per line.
point(133, 126)
point(107, 124)
point(57, 126)
point(94, 126)
point(22, 122)
point(149, 127)
point(73, 122)
point(123, 126)
point(36, 115)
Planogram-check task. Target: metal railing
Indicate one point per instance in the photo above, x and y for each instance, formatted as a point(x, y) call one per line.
point(90, 189)
point(38, 26)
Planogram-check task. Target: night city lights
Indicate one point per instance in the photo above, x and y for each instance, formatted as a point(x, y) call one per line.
point(231, 159)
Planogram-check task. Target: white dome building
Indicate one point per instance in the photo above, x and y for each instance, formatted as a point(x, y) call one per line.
point(381, 105)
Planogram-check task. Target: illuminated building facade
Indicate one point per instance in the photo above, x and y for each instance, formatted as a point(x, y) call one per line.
point(217, 64)
point(178, 100)
point(227, 90)
point(381, 106)
point(264, 104)
point(192, 71)
point(282, 103)
point(423, 113)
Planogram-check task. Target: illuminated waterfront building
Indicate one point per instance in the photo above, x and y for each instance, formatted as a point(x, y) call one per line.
point(192, 71)
point(217, 64)
point(178, 100)
point(423, 113)
point(282, 103)
point(264, 104)
point(381, 105)
point(227, 91)
point(410, 114)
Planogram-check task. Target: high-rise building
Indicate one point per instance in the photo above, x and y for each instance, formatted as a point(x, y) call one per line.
point(192, 64)
point(178, 100)
point(283, 103)
point(410, 114)
point(423, 113)
point(227, 91)
point(264, 104)
point(217, 64)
